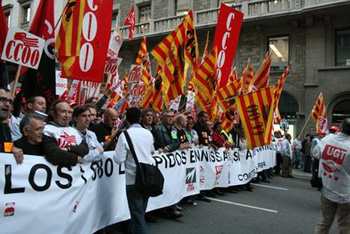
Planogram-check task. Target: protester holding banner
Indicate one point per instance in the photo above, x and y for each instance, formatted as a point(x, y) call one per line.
point(179, 125)
point(32, 127)
point(62, 144)
point(165, 137)
point(81, 119)
point(200, 128)
point(5, 110)
point(192, 135)
point(142, 141)
point(105, 131)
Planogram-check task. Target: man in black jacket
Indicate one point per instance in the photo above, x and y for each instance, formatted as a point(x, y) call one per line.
point(32, 128)
point(201, 128)
point(165, 135)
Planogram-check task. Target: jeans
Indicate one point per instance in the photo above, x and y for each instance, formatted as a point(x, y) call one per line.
point(302, 161)
point(297, 158)
point(328, 211)
point(137, 207)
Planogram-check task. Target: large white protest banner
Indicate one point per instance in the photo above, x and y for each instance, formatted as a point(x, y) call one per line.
point(38, 197)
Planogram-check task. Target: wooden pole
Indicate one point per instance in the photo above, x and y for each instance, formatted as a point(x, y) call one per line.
point(307, 120)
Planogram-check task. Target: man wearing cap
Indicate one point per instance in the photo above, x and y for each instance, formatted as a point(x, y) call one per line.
point(333, 130)
point(334, 155)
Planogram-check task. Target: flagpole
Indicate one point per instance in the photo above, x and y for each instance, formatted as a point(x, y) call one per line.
point(302, 130)
point(15, 81)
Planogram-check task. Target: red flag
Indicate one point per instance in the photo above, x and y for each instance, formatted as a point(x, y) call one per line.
point(3, 27)
point(42, 81)
point(226, 39)
point(130, 20)
point(82, 40)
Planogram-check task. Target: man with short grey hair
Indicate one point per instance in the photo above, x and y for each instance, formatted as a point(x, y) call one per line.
point(32, 128)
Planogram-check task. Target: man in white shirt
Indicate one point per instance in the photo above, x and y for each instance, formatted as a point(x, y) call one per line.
point(334, 154)
point(142, 141)
point(298, 162)
point(286, 152)
point(81, 119)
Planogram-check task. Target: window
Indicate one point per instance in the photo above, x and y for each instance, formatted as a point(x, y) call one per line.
point(341, 111)
point(182, 7)
point(279, 48)
point(144, 14)
point(8, 18)
point(342, 47)
point(25, 14)
point(115, 22)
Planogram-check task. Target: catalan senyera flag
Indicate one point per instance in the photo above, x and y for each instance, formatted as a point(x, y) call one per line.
point(178, 48)
point(205, 51)
point(244, 75)
point(157, 102)
point(226, 95)
point(204, 76)
point(147, 98)
point(203, 101)
point(233, 76)
point(256, 112)
point(248, 81)
point(279, 88)
point(319, 114)
point(226, 124)
point(143, 60)
point(261, 78)
point(81, 45)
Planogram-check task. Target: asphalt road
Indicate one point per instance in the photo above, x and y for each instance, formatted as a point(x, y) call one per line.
point(285, 206)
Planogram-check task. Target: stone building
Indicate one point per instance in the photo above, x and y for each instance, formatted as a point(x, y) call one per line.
point(314, 34)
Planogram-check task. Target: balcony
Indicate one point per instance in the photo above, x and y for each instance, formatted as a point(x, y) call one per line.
point(252, 10)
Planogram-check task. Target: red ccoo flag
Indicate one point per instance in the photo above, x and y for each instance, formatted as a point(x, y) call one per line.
point(3, 27)
point(130, 20)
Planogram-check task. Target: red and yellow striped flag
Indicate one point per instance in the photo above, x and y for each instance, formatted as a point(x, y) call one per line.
point(233, 76)
point(244, 75)
point(256, 112)
point(226, 124)
point(226, 95)
point(70, 34)
point(143, 60)
point(178, 48)
point(248, 81)
point(261, 78)
point(278, 91)
point(205, 77)
point(157, 102)
point(203, 101)
point(147, 98)
point(319, 114)
point(205, 51)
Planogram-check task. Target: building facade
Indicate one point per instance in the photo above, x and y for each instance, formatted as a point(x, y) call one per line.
point(313, 34)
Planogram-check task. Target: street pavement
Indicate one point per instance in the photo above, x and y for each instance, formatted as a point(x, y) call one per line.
point(285, 206)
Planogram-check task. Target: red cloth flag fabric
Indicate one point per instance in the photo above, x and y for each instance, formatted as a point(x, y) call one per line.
point(42, 82)
point(3, 27)
point(248, 81)
point(82, 40)
point(278, 91)
point(319, 114)
point(261, 78)
point(143, 60)
point(226, 40)
point(178, 48)
point(226, 95)
point(256, 112)
point(131, 20)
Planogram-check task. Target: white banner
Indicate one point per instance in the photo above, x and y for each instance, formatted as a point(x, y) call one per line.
point(88, 197)
point(61, 84)
point(23, 48)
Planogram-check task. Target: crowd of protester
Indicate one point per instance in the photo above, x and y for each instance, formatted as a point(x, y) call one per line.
point(67, 134)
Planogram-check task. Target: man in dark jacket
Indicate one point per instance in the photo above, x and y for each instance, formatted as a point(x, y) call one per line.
point(165, 135)
point(201, 128)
